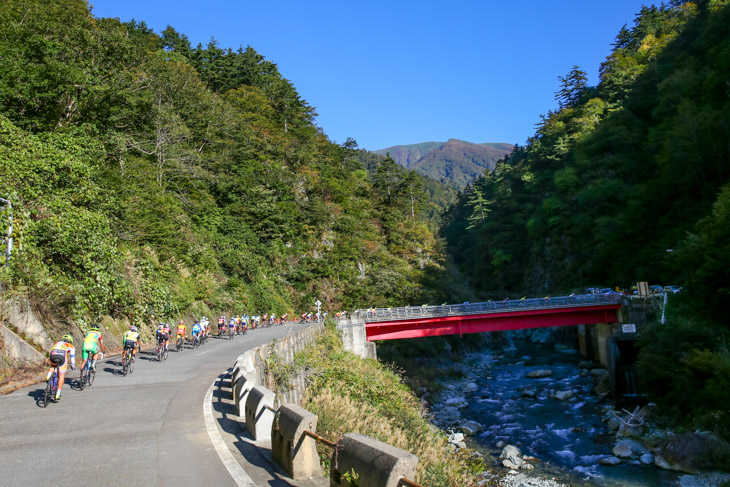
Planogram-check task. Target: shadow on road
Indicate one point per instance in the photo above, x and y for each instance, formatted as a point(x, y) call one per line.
point(257, 456)
point(37, 395)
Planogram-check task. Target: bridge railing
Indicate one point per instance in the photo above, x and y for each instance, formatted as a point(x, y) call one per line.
point(426, 311)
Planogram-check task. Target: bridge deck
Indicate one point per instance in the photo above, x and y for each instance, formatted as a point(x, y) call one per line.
point(412, 322)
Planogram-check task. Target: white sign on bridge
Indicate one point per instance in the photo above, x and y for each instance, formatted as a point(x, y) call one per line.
point(629, 328)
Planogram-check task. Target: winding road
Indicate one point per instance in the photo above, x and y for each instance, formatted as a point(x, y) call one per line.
point(146, 428)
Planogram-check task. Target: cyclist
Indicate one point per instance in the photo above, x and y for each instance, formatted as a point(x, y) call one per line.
point(221, 325)
point(182, 331)
point(205, 324)
point(196, 331)
point(132, 341)
point(232, 326)
point(62, 355)
point(92, 344)
point(163, 335)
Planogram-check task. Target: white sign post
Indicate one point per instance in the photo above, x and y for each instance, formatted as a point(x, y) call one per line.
point(318, 303)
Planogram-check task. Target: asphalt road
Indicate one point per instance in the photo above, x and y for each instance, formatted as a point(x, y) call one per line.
point(146, 428)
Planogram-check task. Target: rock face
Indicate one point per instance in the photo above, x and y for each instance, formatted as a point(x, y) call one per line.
point(539, 374)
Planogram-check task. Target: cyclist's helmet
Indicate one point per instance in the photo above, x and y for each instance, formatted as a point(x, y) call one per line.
point(132, 328)
point(181, 322)
point(94, 327)
point(68, 338)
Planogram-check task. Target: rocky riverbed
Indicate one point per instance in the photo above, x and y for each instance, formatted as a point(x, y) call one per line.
point(545, 418)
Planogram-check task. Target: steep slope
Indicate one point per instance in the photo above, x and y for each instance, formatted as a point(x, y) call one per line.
point(454, 161)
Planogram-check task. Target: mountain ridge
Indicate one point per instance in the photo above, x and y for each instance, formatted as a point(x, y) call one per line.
point(454, 161)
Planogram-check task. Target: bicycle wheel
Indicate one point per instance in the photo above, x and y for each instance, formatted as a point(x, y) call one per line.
point(91, 377)
point(47, 393)
point(164, 353)
point(82, 378)
point(130, 365)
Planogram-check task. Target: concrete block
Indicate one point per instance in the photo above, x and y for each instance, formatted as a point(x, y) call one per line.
point(241, 389)
point(294, 451)
point(234, 378)
point(259, 417)
point(376, 464)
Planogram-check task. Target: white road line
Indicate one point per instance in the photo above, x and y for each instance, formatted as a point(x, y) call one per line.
point(234, 468)
point(201, 353)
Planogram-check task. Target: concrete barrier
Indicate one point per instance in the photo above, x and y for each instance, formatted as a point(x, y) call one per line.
point(294, 451)
point(259, 417)
point(241, 389)
point(372, 462)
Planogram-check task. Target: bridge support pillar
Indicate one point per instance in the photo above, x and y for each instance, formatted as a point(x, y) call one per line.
point(354, 338)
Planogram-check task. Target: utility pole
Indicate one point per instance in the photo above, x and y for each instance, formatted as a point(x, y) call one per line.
point(8, 239)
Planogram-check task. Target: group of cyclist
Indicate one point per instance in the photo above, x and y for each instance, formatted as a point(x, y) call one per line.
point(63, 353)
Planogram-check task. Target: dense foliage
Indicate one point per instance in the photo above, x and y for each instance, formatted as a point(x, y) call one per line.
point(626, 181)
point(150, 177)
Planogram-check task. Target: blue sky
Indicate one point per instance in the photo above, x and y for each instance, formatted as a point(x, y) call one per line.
point(402, 72)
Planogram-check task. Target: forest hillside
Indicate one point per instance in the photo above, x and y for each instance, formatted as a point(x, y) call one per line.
point(626, 181)
point(150, 178)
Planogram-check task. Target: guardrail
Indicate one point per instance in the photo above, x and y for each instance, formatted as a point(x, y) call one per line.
point(374, 315)
point(291, 430)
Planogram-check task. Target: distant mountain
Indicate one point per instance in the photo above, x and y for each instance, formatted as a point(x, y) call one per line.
point(454, 161)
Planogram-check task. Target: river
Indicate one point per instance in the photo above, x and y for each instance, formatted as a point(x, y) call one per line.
point(567, 437)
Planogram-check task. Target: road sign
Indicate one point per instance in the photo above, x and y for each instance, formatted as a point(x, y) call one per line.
point(629, 328)
point(318, 303)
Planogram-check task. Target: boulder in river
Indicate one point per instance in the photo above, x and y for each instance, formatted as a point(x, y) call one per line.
point(470, 387)
point(610, 461)
point(691, 452)
point(457, 402)
point(563, 395)
point(622, 451)
point(471, 428)
point(529, 393)
point(646, 458)
point(539, 374)
point(511, 457)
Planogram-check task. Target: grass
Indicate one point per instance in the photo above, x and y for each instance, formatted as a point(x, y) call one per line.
point(354, 395)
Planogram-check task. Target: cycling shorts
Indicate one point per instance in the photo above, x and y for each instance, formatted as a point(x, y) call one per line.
point(58, 359)
point(130, 344)
point(89, 351)
point(163, 337)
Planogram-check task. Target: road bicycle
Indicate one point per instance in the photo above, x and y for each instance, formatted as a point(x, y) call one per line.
point(161, 351)
point(51, 388)
point(128, 362)
point(180, 344)
point(203, 338)
point(230, 333)
point(196, 341)
point(88, 373)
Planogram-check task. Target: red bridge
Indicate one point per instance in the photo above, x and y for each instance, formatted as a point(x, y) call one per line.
point(422, 321)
